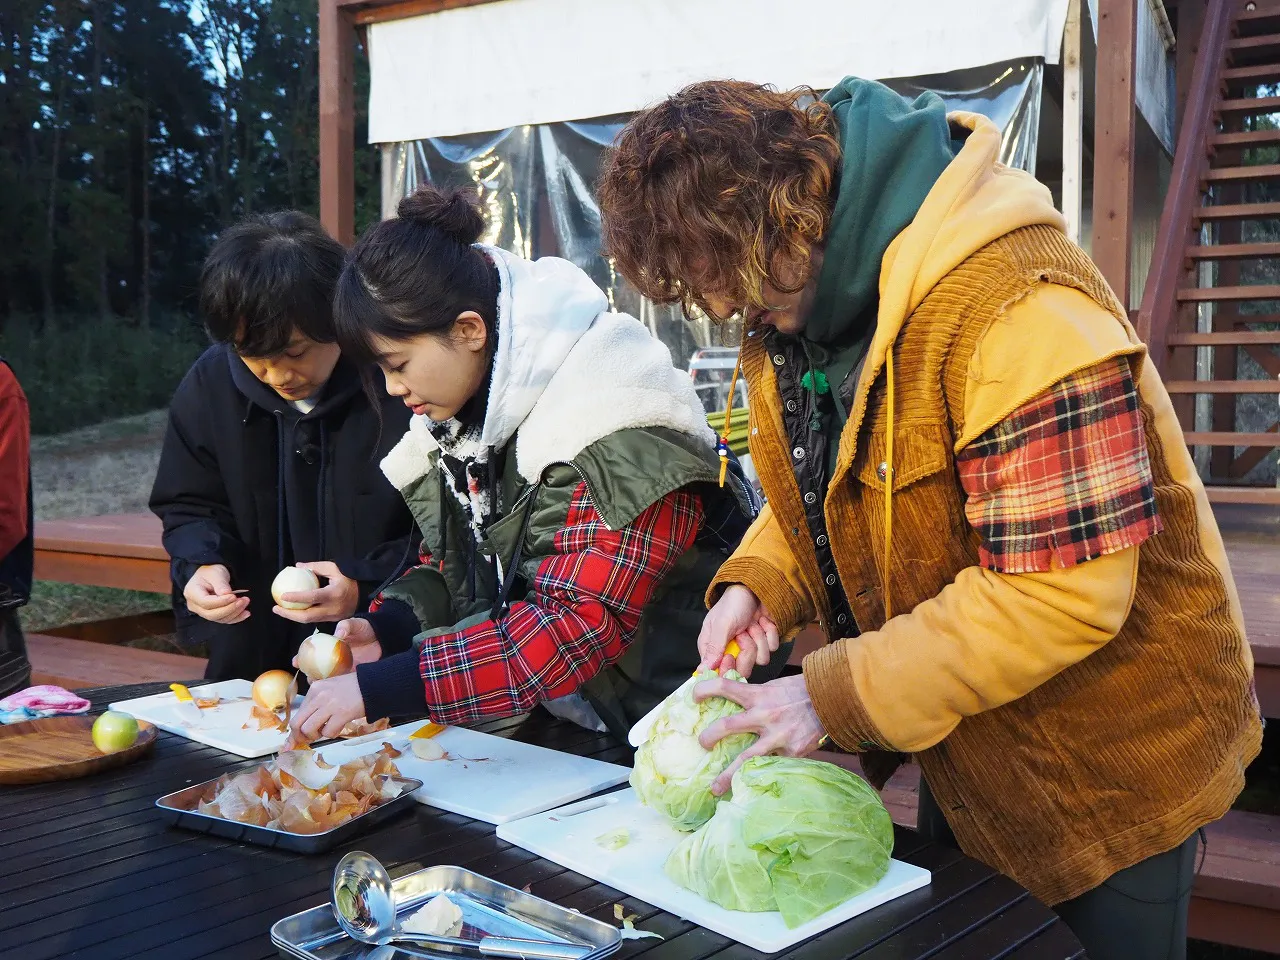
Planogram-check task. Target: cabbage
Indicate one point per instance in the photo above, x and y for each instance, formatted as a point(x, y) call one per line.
point(673, 773)
point(798, 836)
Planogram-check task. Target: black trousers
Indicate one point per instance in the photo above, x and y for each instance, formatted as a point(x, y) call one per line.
point(15, 668)
point(1139, 913)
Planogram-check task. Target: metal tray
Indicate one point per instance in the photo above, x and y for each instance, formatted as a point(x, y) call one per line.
point(178, 809)
point(488, 908)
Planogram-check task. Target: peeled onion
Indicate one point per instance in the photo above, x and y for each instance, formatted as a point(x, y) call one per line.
point(293, 580)
point(323, 655)
point(273, 690)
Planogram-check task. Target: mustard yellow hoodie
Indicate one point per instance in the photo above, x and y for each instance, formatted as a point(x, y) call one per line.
point(1019, 693)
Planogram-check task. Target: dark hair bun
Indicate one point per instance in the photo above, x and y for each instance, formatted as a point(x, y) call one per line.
point(454, 212)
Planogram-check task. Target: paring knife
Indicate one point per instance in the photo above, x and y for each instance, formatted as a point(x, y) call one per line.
point(187, 708)
point(639, 734)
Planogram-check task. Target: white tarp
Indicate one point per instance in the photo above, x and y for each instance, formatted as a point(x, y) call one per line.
point(515, 62)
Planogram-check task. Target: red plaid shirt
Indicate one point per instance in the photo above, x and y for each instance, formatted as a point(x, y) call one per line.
point(1065, 477)
point(582, 611)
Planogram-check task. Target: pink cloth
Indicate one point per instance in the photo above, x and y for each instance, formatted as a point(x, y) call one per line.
point(45, 698)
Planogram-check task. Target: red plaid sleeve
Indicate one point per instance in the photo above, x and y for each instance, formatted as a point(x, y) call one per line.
point(582, 611)
point(1065, 477)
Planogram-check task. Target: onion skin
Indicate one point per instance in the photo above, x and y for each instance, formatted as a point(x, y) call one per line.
point(293, 580)
point(271, 690)
point(317, 665)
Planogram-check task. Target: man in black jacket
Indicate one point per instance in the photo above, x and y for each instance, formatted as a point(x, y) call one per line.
point(271, 456)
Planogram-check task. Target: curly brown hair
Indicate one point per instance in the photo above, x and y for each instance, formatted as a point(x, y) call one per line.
point(719, 189)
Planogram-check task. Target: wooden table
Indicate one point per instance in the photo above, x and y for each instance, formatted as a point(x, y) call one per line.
point(90, 870)
point(122, 551)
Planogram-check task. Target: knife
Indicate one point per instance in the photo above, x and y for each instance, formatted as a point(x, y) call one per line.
point(639, 734)
point(187, 708)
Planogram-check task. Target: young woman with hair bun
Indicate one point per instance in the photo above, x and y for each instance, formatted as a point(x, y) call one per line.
point(562, 473)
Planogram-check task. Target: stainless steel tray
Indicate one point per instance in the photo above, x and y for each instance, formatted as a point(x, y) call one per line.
point(178, 809)
point(488, 908)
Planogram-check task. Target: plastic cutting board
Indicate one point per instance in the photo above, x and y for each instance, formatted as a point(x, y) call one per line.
point(568, 835)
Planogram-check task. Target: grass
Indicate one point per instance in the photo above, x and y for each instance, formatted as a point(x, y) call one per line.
point(94, 470)
point(58, 604)
point(107, 468)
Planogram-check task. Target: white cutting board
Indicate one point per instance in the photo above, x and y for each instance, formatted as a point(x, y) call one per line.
point(568, 837)
point(486, 777)
point(219, 726)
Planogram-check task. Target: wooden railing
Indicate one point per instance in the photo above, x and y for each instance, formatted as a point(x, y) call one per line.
point(1190, 160)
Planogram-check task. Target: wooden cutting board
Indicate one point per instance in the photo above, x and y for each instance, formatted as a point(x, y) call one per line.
point(61, 748)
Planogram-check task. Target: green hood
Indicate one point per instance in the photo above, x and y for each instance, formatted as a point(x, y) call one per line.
point(893, 152)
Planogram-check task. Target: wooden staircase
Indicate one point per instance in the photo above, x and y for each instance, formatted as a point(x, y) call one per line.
point(1215, 277)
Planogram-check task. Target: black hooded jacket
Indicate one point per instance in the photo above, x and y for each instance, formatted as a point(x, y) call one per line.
point(248, 481)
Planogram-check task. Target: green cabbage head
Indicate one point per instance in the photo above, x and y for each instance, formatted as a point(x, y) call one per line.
point(673, 773)
point(798, 836)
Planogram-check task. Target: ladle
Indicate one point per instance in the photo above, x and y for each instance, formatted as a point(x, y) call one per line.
point(366, 910)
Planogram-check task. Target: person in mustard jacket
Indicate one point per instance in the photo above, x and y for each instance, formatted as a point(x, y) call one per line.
point(976, 484)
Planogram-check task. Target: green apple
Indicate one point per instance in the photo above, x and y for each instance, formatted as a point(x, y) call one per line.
point(114, 731)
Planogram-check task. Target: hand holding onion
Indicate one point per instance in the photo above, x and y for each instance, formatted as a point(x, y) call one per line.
point(361, 638)
point(322, 656)
point(299, 596)
point(330, 705)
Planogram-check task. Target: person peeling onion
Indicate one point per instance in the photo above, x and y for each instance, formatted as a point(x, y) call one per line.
point(322, 656)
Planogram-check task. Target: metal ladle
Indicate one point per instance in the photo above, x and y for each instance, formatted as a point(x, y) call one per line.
point(366, 910)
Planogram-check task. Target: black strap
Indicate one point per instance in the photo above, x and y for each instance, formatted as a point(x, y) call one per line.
point(500, 605)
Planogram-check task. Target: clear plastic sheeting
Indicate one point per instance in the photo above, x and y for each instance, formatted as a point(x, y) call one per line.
point(537, 182)
point(1008, 93)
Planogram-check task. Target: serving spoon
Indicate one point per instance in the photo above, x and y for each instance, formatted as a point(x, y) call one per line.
point(366, 910)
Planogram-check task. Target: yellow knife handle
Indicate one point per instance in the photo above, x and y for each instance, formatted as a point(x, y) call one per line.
point(732, 650)
point(181, 692)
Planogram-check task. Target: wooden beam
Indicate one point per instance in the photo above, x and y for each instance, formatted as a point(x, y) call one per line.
point(337, 121)
point(1247, 292)
point(1113, 140)
point(1263, 496)
point(1220, 337)
point(1238, 211)
point(1072, 123)
point(1223, 386)
point(1190, 26)
point(1248, 174)
point(1234, 251)
point(123, 573)
point(1212, 438)
point(403, 9)
point(1251, 105)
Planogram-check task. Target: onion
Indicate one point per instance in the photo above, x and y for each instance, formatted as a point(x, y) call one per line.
point(323, 655)
point(273, 690)
point(427, 750)
point(293, 580)
point(307, 768)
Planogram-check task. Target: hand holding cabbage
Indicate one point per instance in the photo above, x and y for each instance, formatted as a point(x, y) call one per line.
point(793, 835)
point(673, 772)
